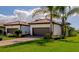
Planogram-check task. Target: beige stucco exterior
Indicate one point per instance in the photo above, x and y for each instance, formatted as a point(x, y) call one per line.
point(24, 29)
point(2, 28)
point(37, 26)
point(13, 26)
point(57, 28)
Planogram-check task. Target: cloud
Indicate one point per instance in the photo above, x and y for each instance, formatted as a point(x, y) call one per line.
point(22, 15)
point(4, 18)
point(26, 15)
point(1, 15)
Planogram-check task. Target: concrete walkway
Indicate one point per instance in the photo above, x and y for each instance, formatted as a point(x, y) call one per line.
point(17, 40)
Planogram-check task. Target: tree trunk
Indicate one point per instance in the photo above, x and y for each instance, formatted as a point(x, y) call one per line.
point(51, 31)
point(63, 26)
point(65, 30)
point(51, 27)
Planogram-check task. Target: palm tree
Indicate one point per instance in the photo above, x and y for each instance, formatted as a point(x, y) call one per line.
point(52, 12)
point(65, 12)
point(62, 11)
point(56, 12)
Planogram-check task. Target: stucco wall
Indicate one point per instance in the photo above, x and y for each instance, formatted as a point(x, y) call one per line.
point(57, 28)
point(15, 26)
point(25, 29)
point(37, 26)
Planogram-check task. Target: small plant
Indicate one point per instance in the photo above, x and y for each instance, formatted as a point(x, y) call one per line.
point(1, 32)
point(47, 37)
point(41, 42)
point(72, 32)
point(18, 33)
point(1, 38)
point(11, 35)
point(4, 32)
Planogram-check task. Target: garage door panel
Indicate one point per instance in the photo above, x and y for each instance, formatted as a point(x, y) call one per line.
point(40, 31)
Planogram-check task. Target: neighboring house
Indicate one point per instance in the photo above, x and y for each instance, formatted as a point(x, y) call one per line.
point(2, 27)
point(41, 27)
point(11, 27)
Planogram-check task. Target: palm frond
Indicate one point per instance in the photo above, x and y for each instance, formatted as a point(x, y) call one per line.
point(74, 10)
point(54, 15)
point(40, 11)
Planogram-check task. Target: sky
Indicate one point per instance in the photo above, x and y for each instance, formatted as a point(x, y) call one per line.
point(13, 13)
point(8, 10)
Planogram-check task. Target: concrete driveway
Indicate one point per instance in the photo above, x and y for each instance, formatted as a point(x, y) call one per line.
point(17, 40)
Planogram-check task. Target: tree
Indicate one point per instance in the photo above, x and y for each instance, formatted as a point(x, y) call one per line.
point(18, 32)
point(72, 31)
point(65, 12)
point(56, 12)
point(52, 12)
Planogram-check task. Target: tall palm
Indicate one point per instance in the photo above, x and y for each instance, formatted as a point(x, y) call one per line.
point(66, 11)
point(52, 12)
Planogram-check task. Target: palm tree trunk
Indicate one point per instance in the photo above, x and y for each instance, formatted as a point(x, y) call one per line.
point(63, 26)
point(51, 27)
point(51, 31)
point(65, 30)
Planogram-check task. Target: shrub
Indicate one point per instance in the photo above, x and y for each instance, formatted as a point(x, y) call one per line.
point(18, 33)
point(1, 38)
point(4, 32)
point(1, 32)
point(47, 37)
point(41, 42)
point(57, 37)
point(72, 32)
point(24, 35)
point(11, 35)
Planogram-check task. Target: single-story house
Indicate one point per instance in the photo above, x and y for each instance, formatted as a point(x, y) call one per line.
point(11, 27)
point(2, 28)
point(40, 27)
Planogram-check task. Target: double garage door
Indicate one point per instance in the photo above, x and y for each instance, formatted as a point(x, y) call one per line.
point(40, 31)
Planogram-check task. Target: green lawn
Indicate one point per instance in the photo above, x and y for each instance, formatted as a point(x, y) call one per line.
point(70, 44)
point(6, 37)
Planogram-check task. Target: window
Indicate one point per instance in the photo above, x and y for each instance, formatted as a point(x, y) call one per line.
point(11, 30)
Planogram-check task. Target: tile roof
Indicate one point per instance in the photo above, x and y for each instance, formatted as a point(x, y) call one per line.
point(42, 21)
point(17, 23)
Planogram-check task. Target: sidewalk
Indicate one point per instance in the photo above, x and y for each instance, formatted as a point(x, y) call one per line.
point(17, 40)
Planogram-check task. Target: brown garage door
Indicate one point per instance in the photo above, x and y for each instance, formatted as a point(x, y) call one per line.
point(40, 31)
